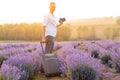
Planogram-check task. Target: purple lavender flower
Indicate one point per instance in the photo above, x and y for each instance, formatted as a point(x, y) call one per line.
point(75, 60)
point(9, 72)
point(28, 62)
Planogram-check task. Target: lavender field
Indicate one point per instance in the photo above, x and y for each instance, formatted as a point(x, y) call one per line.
point(22, 61)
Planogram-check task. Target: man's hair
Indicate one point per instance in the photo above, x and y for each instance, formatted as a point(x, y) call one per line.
point(52, 3)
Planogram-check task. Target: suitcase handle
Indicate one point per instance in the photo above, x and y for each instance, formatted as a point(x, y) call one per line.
point(43, 52)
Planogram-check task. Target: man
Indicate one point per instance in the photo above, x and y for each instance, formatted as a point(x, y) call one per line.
point(50, 28)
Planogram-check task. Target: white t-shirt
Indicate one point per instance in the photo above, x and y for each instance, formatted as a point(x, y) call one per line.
point(50, 22)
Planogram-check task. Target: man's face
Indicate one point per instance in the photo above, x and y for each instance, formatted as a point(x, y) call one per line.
point(52, 7)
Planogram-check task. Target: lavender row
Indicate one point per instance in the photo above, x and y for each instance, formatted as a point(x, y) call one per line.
point(70, 54)
point(21, 66)
point(68, 57)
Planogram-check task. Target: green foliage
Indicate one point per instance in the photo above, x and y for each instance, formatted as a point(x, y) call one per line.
point(117, 67)
point(83, 73)
point(2, 58)
point(31, 49)
point(106, 58)
point(95, 54)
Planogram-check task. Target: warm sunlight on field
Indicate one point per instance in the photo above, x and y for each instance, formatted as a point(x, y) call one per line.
point(87, 29)
point(59, 40)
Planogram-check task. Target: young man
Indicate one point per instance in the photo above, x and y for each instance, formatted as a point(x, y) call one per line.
point(50, 28)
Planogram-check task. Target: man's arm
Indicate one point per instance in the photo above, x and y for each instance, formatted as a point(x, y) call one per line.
point(59, 24)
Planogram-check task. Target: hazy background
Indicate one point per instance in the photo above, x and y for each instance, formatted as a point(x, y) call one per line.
point(86, 19)
point(106, 28)
point(19, 11)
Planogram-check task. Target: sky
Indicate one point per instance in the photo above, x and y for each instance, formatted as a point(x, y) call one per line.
point(20, 11)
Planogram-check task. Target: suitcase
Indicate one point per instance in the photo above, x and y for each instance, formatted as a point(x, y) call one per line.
point(50, 64)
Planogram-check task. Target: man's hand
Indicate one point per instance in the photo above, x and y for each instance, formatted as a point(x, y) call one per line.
point(43, 40)
point(61, 20)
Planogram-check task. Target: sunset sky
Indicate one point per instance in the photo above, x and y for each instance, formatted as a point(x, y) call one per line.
point(17, 11)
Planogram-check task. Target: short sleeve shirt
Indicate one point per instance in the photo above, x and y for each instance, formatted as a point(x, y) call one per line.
point(50, 22)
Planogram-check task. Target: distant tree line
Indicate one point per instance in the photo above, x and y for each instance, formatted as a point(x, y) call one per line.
point(33, 32)
point(20, 31)
point(118, 20)
point(29, 32)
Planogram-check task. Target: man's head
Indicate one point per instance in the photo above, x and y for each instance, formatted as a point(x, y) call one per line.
point(52, 7)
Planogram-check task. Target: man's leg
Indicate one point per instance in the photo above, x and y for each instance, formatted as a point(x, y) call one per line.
point(49, 44)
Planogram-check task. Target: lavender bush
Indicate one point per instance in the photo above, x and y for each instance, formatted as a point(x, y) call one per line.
point(106, 58)
point(95, 54)
point(6, 53)
point(116, 59)
point(26, 57)
point(29, 63)
point(83, 72)
point(79, 59)
point(9, 72)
